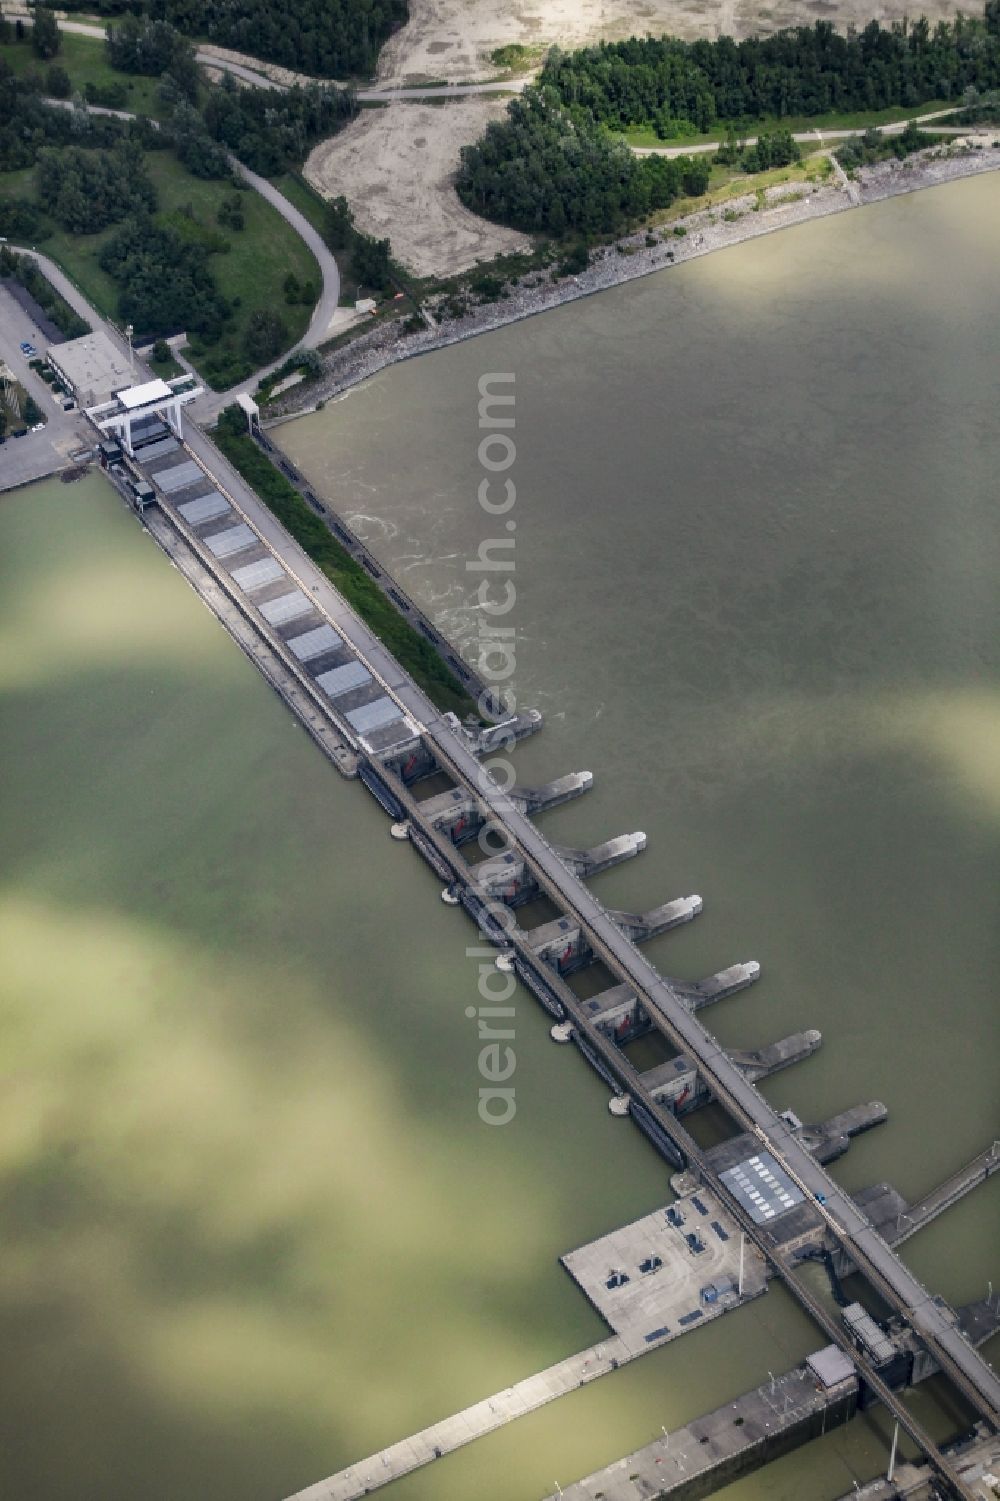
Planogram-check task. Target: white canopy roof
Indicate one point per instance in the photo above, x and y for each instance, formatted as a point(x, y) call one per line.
point(141, 396)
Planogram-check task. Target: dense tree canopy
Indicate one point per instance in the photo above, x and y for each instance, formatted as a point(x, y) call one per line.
point(45, 37)
point(153, 48)
point(85, 191)
point(327, 38)
point(543, 169)
point(805, 71)
point(28, 124)
point(271, 131)
point(165, 280)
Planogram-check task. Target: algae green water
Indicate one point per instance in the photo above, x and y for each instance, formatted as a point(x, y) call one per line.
point(250, 1225)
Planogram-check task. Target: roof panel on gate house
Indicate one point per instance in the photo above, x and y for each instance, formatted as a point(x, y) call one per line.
point(233, 539)
point(286, 607)
point(340, 679)
point(313, 643)
point(253, 576)
point(370, 716)
point(204, 507)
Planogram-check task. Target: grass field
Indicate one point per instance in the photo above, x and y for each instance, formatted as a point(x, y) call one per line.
point(724, 186)
point(250, 274)
point(301, 196)
point(83, 59)
point(645, 135)
point(165, 369)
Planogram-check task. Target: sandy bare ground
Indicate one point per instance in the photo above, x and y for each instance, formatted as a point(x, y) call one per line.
point(452, 39)
point(395, 166)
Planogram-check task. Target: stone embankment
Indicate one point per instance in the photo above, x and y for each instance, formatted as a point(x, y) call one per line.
point(703, 232)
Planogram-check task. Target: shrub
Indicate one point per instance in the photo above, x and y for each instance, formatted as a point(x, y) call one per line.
point(265, 336)
point(58, 83)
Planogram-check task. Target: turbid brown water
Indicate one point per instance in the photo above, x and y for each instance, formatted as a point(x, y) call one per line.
point(252, 1227)
point(756, 563)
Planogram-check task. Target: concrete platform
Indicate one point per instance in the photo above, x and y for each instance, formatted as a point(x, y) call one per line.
point(672, 1270)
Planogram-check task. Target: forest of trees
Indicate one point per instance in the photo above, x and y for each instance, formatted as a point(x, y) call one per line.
point(543, 170)
point(85, 191)
point(28, 124)
point(806, 71)
point(271, 131)
point(326, 38)
point(164, 280)
point(153, 48)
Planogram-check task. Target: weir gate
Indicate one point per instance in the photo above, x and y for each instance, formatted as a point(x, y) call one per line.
point(769, 1175)
point(774, 1182)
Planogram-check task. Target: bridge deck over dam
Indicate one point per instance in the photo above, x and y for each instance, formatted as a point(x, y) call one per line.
point(413, 720)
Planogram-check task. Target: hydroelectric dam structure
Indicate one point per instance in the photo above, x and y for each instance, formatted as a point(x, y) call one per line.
point(769, 1180)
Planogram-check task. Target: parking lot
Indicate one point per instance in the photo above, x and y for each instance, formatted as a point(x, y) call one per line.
point(667, 1273)
point(37, 453)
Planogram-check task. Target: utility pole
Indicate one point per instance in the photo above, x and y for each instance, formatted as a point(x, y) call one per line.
point(129, 331)
point(743, 1242)
point(892, 1455)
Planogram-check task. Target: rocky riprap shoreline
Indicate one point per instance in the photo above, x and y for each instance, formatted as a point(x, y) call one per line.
point(630, 257)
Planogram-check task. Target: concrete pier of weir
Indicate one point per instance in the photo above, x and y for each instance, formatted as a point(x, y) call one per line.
point(619, 1015)
point(508, 877)
point(460, 814)
point(678, 1084)
point(562, 942)
point(896, 1220)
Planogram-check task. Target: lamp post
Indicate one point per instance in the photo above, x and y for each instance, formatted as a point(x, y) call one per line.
point(129, 331)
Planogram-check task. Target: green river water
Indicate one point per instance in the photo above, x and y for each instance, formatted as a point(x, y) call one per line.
point(251, 1225)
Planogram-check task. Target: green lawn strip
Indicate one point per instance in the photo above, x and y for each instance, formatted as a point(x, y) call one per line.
point(301, 196)
point(84, 60)
point(165, 369)
point(409, 648)
point(724, 185)
point(249, 275)
point(645, 135)
point(78, 255)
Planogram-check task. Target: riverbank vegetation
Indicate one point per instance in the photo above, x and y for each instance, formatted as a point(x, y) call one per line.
point(409, 648)
point(545, 171)
point(865, 150)
point(977, 109)
point(557, 164)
